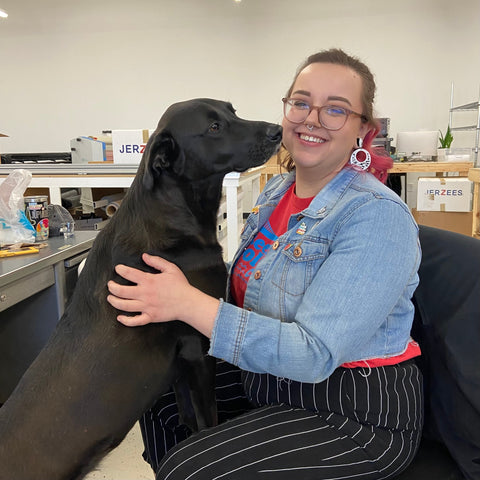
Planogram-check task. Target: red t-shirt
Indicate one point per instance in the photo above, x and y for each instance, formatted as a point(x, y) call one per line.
point(289, 205)
point(275, 226)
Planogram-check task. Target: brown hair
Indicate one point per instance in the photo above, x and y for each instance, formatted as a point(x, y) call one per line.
point(339, 57)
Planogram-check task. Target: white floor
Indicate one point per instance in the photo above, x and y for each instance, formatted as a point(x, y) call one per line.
point(125, 462)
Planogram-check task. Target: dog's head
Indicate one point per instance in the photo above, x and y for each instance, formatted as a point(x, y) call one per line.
point(201, 137)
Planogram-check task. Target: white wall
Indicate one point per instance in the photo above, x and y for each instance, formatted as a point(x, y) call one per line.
point(75, 68)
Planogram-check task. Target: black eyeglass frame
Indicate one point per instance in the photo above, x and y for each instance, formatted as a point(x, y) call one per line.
point(348, 112)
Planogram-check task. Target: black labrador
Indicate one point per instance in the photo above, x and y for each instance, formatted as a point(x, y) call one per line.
point(96, 377)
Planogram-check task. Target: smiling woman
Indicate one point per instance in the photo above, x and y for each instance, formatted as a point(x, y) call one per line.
point(343, 114)
point(321, 138)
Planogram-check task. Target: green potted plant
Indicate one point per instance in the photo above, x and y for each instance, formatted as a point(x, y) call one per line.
point(445, 143)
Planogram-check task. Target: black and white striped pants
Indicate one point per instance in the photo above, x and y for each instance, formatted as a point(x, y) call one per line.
point(359, 423)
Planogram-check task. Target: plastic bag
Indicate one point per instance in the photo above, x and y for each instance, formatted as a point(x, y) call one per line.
point(14, 225)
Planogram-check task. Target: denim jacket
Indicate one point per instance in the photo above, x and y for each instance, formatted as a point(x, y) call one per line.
point(338, 289)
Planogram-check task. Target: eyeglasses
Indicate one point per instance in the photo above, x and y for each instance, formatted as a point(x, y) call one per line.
point(331, 117)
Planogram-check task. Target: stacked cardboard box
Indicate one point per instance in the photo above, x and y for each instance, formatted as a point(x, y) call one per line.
point(445, 202)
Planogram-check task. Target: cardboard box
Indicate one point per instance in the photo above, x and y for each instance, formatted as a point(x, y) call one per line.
point(460, 222)
point(128, 145)
point(444, 194)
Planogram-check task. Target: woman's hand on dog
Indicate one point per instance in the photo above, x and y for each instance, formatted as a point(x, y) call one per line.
point(161, 297)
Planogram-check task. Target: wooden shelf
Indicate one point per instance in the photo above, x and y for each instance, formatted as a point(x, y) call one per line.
point(474, 176)
point(428, 167)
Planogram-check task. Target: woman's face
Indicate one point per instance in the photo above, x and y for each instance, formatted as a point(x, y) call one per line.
point(321, 151)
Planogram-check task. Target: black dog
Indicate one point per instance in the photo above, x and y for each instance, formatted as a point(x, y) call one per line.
point(96, 377)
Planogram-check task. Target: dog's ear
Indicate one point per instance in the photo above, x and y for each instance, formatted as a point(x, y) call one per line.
point(162, 153)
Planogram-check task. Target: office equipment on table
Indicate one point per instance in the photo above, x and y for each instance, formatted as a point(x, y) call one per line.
point(418, 146)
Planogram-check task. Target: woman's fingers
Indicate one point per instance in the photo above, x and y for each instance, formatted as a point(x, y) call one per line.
point(121, 291)
point(134, 320)
point(132, 274)
point(120, 301)
point(137, 276)
point(158, 263)
point(125, 304)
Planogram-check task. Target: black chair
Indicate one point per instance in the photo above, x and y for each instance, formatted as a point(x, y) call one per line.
point(447, 326)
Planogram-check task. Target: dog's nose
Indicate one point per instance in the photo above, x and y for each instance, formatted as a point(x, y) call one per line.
point(274, 133)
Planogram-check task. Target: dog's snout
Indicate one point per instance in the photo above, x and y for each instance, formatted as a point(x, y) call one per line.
point(274, 133)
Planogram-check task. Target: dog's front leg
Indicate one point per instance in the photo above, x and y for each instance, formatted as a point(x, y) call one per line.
point(202, 391)
point(198, 377)
point(186, 411)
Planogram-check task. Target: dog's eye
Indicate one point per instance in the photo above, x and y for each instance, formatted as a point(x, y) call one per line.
point(214, 127)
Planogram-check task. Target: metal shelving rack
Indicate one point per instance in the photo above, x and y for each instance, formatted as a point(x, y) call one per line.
point(468, 107)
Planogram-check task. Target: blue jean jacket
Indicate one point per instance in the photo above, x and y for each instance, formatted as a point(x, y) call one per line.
point(336, 290)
